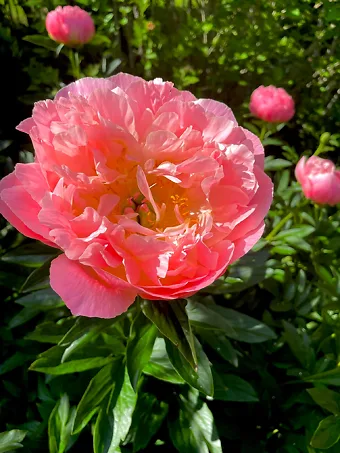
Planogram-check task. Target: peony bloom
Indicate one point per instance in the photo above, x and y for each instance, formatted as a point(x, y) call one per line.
point(272, 104)
point(146, 189)
point(319, 179)
point(70, 25)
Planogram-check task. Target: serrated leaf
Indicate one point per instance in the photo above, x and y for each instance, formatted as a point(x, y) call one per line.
point(200, 379)
point(142, 337)
point(172, 321)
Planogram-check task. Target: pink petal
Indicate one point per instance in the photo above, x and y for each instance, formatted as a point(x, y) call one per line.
point(143, 186)
point(257, 146)
point(21, 210)
point(217, 108)
point(84, 87)
point(123, 80)
point(90, 291)
point(262, 201)
point(243, 245)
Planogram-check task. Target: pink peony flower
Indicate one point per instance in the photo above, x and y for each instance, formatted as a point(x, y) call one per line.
point(146, 189)
point(319, 179)
point(272, 104)
point(70, 25)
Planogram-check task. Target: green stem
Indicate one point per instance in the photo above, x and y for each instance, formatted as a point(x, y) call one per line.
point(319, 149)
point(263, 132)
point(278, 227)
point(75, 63)
point(323, 142)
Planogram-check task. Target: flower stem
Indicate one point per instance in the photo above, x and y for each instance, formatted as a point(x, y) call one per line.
point(263, 132)
point(278, 227)
point(75, 63)
point(323, 143)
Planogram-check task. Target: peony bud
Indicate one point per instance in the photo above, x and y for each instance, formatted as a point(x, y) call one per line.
point(272, 104)
point(70, 25)
point(319, 179)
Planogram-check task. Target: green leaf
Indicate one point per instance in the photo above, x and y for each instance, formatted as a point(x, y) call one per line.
point(45, 299)
point(83, 326)
point(327, 433)
point(30, 255)
point(298, 243)
point(160, 366)
point(50, 331)
point(283, 250)
point(193, 430)
point(39, 278)
point(113, 422)
point(84, 331)
point(331, 377)
point(299, 345)
point(327, 399)
point(233, 388)
point(221, 344)
point(276, 164)
point(99, 386)
point(73, 366)
point(35, 303)
point(299, 232)
point(146, 421)
point(142, 338)
point(234, 324)
point(172, 321)
point(11, 440)
point(42, 41)
point(123, 410)
point(60, 425)
point(200, 379)
point(15, 361)
point(18, 13)
point(98, 40)
point(248, 271)
point(23, 316)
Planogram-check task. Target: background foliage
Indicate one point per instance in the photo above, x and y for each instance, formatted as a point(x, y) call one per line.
point(265, 338)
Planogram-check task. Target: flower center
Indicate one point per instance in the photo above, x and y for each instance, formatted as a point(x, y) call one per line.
point(139, 208)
